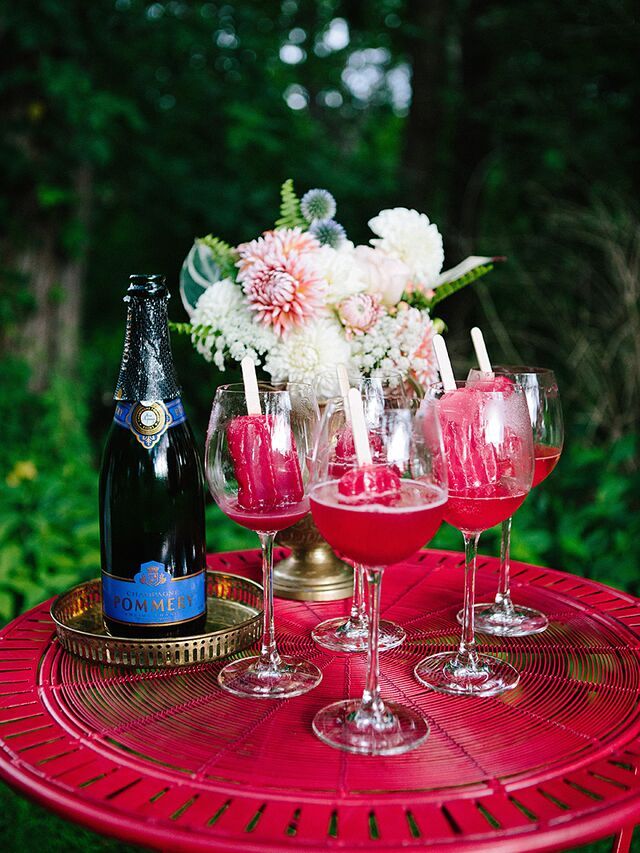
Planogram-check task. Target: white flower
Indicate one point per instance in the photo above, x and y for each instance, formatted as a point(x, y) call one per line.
point(409, 236)
point(338, 268)
point(401, 342)
point(385, 276)
point(309, 355)
point(234, 333)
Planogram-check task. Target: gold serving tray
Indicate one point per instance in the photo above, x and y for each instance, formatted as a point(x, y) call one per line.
point(234, 622)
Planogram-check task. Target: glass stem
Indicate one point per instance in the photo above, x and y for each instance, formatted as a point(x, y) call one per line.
point(372, 707)
point(503, 596)
point(467, 655)
point(358, 615)
point(269, 657)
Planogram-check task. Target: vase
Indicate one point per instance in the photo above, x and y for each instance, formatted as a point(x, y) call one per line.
point(312, 572)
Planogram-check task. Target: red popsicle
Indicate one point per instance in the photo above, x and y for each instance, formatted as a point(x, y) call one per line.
point(263, 452)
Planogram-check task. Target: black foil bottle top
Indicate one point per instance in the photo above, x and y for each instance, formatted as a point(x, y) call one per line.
point(146, 370)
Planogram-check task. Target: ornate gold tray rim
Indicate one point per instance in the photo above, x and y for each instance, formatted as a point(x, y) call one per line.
point(146, 653)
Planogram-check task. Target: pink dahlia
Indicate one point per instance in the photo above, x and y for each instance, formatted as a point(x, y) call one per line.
point(359, 313)
point(279, 278)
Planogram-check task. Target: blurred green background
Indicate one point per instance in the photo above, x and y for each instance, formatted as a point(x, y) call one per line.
point(128, 128)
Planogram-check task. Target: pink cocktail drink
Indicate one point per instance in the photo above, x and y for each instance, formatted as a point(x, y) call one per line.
point(472, 512)
point(545, 460)
point(268, 520)
point(378, 532)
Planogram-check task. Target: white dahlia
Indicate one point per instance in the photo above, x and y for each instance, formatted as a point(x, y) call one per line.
point(309, 354)
point(233, 332)
point(340, 271)
point(410, 237)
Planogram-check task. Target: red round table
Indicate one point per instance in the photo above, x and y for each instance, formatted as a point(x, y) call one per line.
point(166, 759)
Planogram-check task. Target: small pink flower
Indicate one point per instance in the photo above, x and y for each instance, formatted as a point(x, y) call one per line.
point(359, 313)
point(423, 360)
point(279, 278)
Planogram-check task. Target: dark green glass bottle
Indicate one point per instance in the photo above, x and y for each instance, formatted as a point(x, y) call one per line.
point(152, 537)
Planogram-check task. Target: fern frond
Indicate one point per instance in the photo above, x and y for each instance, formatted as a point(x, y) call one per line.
point(224, 255)
point(196, 333)
point(451, 287)
point(290, 215)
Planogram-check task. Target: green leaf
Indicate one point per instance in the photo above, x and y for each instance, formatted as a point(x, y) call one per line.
point(224, 255)
point(197, 333)
point(290, 215)
point(451, 287)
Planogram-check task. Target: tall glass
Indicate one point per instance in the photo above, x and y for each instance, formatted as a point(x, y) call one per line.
point(376, 516)
point(502, 616)
point(381, 389)
point(257, 471)
point(489, 446)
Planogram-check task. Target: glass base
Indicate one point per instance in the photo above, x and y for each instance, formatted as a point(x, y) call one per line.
point(248, 677)
point(339, 635)
point(491, 618)
point(445, 673)
point(338, 725)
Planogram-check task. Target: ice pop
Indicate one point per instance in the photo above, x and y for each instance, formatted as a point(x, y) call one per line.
point(263, 451)
point(367, 482)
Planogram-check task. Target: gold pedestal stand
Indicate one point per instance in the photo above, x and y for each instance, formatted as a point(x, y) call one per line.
point(312, 572)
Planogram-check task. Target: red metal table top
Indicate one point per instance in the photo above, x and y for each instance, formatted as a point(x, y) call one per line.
point(166, 759)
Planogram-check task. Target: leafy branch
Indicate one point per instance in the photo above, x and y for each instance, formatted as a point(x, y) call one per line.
point(451, 287)
point(224, 255)
point(290, 215)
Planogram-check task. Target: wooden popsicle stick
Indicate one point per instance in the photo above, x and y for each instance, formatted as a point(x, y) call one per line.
point(481, 350)
point(359, 426)
point(444, 363)
point(343, 382)
point(250, 382)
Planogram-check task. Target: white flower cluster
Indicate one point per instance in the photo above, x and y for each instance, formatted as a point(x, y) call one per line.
point(233, 332)
point(401, 342)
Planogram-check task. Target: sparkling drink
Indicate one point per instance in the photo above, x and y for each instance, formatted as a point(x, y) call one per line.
point(152, 538)
point(274, 519)
point(472, 513)
point(375, 534)
point(545, 460)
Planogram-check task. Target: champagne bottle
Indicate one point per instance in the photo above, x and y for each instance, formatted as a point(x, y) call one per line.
point(152, 539)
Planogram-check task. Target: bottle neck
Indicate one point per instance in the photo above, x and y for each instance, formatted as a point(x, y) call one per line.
point(146, 370)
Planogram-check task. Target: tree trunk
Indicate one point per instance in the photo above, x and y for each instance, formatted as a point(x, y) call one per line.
point(51, 334)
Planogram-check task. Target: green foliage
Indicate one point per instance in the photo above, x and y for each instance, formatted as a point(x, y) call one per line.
point(451, 287)
point(224, 255)
point(196, 333)
point(290, 215)
point(49, 537)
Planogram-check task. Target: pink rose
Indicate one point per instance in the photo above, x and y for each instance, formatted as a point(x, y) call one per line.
point(359, 313)
point(383, 275)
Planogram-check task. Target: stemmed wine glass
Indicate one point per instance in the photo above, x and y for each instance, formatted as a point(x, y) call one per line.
point(256, 468)
point(540, 387)
point(382, 388)
point(489, 446)
point(376, 515)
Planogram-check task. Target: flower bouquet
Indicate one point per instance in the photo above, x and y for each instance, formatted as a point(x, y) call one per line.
point(302, 298)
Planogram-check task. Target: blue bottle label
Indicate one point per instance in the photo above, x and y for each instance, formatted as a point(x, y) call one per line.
point(153, 596)
point(149, 420)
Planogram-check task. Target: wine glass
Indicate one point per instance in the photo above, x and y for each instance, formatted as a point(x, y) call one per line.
point(256, 468)
point(489, 446)
point(381, 389)
point(378, 515)
point(502, 617)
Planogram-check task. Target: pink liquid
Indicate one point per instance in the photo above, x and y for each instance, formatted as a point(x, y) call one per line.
point(377, 535)
point(546, 459)
point(273, 519)
point(472, 514)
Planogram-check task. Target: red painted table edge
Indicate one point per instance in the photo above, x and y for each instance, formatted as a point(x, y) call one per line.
point(613, 822)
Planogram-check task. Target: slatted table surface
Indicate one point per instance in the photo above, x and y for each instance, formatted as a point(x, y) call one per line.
point(166, 759)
